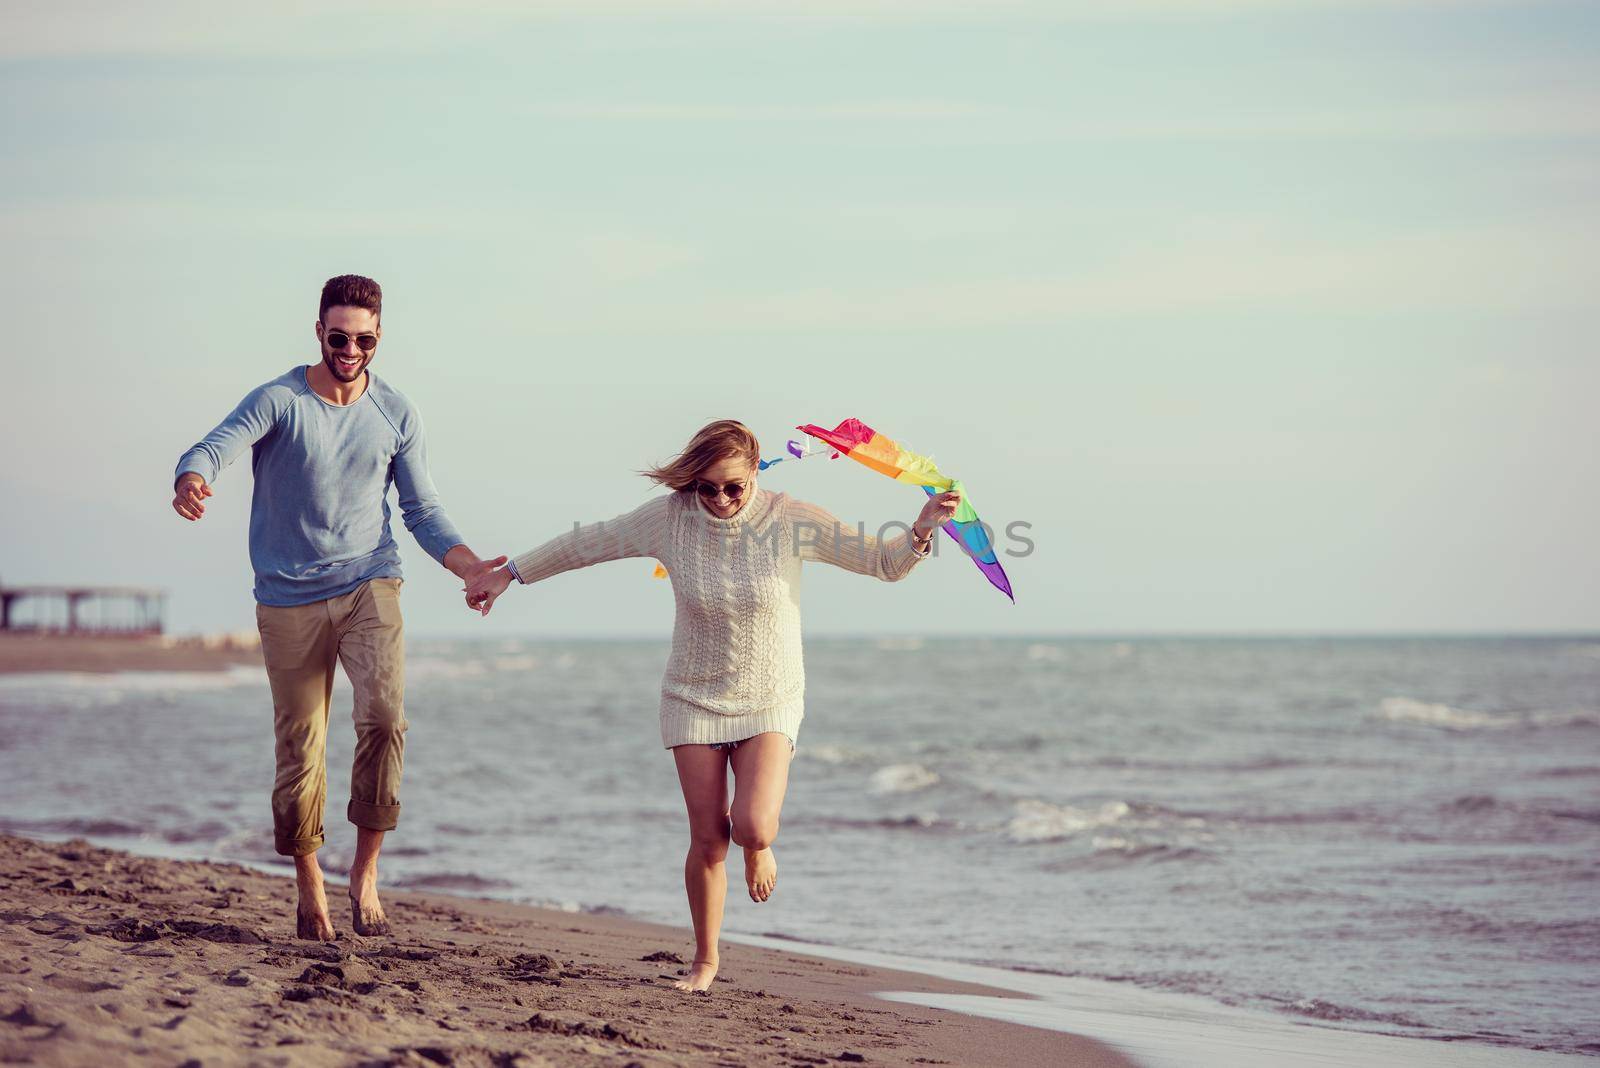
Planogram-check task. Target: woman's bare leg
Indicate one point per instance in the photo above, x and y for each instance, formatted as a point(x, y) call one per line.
point(703, 774)
point(761, 778)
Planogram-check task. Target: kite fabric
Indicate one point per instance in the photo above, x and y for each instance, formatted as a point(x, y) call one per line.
point(798, 451)
point(866, 446)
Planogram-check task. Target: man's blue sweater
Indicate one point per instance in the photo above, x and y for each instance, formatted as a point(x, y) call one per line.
point(319, 518)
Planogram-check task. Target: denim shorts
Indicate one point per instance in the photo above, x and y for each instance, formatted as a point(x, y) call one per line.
point(728, 747)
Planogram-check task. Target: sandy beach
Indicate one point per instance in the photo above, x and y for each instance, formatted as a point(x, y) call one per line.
point(112, 958)
point(21, 653)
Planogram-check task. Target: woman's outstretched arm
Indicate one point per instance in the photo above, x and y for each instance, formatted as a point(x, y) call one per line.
point(818, 535)
point(641, 532)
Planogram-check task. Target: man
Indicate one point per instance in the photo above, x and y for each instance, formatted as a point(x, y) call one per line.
point(328, 440)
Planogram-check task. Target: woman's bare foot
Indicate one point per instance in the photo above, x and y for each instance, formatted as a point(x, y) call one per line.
point(760, 873)
point(366, 911)
point(311, 920)
point(701, 973)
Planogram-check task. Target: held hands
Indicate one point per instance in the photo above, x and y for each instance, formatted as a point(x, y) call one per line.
point(465, 565)
point(191, 494)
point(487, 585)
point(938, 511)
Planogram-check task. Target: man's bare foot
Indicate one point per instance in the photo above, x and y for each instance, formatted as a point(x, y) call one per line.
point(701, 972)
point(311, 921)
point(314, 927)
point(760, 873)
point(366, 911)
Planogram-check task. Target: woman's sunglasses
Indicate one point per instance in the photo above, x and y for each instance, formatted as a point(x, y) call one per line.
point(338, 339)
point(733, 490)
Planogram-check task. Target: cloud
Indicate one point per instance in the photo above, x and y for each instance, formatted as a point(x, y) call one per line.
point(1222, 265)
point(1504, 116)
point(1565, 115)
point(114, 217)
point(841, 111)
point(1542, 262)
point(298, 28)
point(627, 257)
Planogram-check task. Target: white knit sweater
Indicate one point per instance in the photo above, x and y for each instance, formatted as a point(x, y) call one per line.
point(736, 668)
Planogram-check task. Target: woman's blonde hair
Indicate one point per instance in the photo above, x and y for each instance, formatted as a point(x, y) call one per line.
point(711, 443)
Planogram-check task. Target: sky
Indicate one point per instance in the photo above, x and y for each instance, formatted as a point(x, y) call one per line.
point(1266, 316)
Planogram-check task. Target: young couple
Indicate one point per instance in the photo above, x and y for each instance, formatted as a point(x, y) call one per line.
point(329, 439)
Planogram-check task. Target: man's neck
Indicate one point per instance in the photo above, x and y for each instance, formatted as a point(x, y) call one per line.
point(332, 389)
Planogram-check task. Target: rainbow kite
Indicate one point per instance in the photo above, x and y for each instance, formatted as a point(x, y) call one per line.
point(861, 443)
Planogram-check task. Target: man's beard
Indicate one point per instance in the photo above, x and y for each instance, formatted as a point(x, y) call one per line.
point(330, 360)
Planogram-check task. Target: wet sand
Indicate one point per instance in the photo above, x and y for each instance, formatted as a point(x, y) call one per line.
point(109, 958)
point(100, 655)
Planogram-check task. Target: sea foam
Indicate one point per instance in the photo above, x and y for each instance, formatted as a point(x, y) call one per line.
point(902, 779)
point(1040, 821)
point(1409, 710)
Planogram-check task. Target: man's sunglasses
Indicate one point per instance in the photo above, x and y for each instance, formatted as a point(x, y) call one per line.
point(733, 490)
point(338, 339)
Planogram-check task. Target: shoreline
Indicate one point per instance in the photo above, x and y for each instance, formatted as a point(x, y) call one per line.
point(145, 959)
point(1066, 1019)
point(25, 653)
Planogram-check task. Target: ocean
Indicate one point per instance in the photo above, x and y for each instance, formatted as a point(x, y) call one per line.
point(1395, 835)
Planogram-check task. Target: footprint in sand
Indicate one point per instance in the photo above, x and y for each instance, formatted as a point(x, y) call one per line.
point(76, 985)
point(664, 955)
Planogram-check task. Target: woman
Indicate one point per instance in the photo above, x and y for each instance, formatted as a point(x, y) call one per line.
point(733, 695)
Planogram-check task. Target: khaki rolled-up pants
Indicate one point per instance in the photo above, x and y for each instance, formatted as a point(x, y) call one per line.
point(301, 644)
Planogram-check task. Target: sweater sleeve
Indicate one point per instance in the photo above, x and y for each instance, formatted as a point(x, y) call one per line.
point(818, 535)
point(641, 532)
point(247, 424)
point(419, 502)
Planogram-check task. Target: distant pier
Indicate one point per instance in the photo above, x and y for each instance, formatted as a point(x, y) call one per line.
point(97, 611)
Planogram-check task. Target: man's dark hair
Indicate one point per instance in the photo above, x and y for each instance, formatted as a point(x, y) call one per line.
point(353, 290)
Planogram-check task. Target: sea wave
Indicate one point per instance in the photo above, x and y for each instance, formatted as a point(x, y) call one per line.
point(1477, 804)
point(204, 831)
point(1268, 762)
point(1040, 821)
point(1581, 771)
point(1433, 714)
point(1570, 939)
point(1267, 817)
point(459, 881)
point(898, 645)
point(921, 821)
point(254, 844)
point(116, 683)
point(107, 828)
point(431, 667)
point(1119, 851)
point(832, 754)
point(1318, 1009)
point(902, 779)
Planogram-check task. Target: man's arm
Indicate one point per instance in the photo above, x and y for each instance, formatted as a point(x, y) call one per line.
point(200, 466)
point(420, 509)
point(424, 516)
